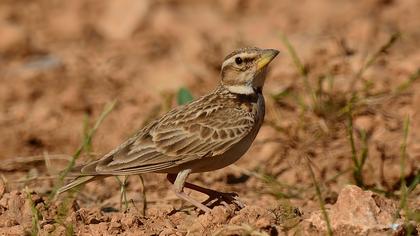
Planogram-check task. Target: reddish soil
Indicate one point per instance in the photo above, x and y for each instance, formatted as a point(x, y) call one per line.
point(62, 61)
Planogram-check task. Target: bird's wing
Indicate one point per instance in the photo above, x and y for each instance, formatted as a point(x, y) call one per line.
point(186, 133)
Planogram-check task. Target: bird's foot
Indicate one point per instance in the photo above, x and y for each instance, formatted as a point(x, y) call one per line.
point(218, 198)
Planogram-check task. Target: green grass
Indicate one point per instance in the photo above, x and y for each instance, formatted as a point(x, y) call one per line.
point(123, 193)
point(336, 108)
point(374, 57)
point(327, 104)
point(303, 71)
point(36, 215)
point(62, 213)
point(85, 145)
point(404, 190)
point(403, 157)
point(358, 162)
point(278, 189)
point(320, 198)
point(404, 86)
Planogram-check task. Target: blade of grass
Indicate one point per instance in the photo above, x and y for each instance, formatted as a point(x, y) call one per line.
point(302, 69)
point(296, 60)
point(404, 86)
point(403, 156)
point(414, 183)
point(365, 150)
point(123, 192)
point(88, 146)
point(319, 196)
point(374, 57)
point(275, 187)
point(404, 191)
point(357, 174)
point(64, 206)
point(62, 212)
point(36, 215)
point(86, 142)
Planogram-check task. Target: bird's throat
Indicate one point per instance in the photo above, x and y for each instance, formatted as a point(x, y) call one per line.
point(240, 89)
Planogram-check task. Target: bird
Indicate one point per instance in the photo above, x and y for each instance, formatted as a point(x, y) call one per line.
point(204, 135)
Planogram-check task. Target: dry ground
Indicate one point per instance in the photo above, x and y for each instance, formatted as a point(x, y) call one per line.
point(61, 62)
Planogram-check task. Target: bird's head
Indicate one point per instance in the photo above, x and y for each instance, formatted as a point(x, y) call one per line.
point(243, 71)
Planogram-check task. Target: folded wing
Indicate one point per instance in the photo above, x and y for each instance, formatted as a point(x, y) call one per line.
point(186, 133)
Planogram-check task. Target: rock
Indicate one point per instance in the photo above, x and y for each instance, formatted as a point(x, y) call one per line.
point(114, 228)
point(122, 17)
point(15, 230)
point(17, 210)
point(357, 211)
point(49, 228)
point(218, 215)
point(130, 220)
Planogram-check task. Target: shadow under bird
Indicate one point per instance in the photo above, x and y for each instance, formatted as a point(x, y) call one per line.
point(207, 134)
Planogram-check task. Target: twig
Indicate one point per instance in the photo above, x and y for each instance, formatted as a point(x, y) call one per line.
point(320, 199)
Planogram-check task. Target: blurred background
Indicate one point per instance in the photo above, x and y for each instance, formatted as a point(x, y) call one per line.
point(63, 59)
point(61, 62)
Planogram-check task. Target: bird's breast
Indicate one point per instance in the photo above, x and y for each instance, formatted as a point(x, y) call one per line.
point(240, 148)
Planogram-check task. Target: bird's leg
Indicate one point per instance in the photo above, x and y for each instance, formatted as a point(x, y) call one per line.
point(226, 197)
point(179, 183)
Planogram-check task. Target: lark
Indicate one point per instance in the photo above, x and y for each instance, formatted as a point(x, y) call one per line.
point(207, 134)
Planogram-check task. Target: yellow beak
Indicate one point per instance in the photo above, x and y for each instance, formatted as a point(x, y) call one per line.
point(266, 57)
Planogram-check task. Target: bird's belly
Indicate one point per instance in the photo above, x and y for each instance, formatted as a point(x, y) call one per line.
point(220, 161)
point(216, 162)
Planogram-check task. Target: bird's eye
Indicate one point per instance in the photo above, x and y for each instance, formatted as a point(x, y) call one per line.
point(238, 60)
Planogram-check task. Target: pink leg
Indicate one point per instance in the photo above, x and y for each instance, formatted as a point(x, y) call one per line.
point(220, 196)
point(179, 183)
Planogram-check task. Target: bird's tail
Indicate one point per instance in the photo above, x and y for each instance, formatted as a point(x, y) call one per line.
point(76, 182)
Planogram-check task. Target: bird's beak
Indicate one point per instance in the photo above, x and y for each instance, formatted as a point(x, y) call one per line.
point(266, 57)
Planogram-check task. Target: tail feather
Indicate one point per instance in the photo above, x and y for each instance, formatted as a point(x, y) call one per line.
point(78, 181)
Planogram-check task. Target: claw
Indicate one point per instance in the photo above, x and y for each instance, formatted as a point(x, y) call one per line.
point(225, 199)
